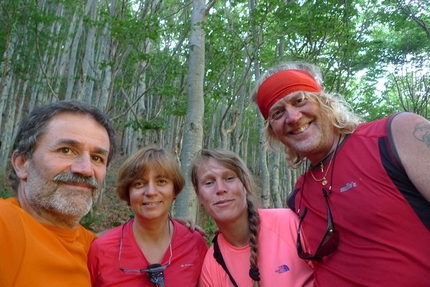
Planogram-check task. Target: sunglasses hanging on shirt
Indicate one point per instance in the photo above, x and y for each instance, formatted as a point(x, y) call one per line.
point(330, 240)
point(155, 271)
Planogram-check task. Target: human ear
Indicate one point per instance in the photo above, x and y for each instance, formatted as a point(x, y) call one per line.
point(246, 191)
point(20, 165)
point(199, 199)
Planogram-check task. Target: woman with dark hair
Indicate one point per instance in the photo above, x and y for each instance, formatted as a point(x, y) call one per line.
point(255, 247)
point(151, 249)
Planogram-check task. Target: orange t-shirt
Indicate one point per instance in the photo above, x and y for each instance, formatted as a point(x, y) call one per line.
point(36, 254)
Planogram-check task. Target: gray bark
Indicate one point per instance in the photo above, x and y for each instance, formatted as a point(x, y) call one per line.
point(88, 76)
point(73, 57)
point(265, 188)
point(275, 187)
point(186, 204)
point(105, 92)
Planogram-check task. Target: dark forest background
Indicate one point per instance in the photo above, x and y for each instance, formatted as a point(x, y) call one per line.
point(179, 74)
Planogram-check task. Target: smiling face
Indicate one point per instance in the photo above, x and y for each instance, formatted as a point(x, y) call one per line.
point(221, 192)
point(299, 123)
point(151, 196)
point(61, 181)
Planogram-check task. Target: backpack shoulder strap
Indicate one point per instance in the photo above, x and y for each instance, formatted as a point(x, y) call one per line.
point(218, 257)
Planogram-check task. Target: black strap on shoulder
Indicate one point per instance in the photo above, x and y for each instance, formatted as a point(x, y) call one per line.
point(218, 257)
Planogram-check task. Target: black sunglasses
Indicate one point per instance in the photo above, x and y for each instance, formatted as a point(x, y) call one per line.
point(155, 271)
point(329, 242)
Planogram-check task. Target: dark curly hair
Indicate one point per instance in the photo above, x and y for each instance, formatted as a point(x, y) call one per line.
point(34, 126)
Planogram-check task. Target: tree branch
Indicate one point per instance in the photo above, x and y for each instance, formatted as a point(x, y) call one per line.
point(407, 10)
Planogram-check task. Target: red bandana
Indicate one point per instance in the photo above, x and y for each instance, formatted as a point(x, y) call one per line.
point(280, 85)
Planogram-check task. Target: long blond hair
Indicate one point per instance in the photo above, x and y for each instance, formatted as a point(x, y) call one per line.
point(333, 105)
point(233, 162)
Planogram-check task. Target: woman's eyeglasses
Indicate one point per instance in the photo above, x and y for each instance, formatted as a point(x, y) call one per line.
point(329, 242)
point(155, 271)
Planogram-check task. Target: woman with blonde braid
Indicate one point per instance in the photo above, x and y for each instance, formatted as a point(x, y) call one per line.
point(255, 247)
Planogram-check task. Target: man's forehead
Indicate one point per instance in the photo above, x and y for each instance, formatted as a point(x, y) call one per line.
point(66, 114)
point(83, 125)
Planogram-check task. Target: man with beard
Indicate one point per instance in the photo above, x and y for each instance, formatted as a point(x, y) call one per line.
point(364, 199)
point(61, 154)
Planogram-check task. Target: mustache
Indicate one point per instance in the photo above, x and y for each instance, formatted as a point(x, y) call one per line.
point(76, 178)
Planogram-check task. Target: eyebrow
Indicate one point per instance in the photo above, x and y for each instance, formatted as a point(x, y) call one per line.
point(75, 143)
point(276, 106)
point(282, 101)
point(205, 176)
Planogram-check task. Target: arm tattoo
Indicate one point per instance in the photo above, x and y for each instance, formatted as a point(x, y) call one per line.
point(422, 132)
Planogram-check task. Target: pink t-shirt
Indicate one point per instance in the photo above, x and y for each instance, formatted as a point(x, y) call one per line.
point(278, 262)
point(188, 251)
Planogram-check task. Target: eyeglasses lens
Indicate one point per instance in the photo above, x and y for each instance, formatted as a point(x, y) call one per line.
point(329, 242)
point(156, 274)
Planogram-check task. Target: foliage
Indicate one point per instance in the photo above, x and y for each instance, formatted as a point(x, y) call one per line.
point(92, 219)
point(130, 58)
point(208, 224)
point(144, 125)
point(5, 193)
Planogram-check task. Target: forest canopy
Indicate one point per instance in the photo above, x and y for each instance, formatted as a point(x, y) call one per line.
point(178, 74)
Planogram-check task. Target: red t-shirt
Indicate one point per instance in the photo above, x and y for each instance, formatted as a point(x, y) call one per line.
point(376, 209)
point(188, 251)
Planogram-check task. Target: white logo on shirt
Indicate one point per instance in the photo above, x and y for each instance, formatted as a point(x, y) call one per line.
point(348, 186)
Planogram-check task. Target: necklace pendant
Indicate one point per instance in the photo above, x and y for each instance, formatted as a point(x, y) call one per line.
point(324, 181)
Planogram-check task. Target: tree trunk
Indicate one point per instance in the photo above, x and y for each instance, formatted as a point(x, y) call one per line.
point(186, 204)
point(107, 74)
point(265, 188)
point(88, 67)
point(274, 180)
point(74, 56)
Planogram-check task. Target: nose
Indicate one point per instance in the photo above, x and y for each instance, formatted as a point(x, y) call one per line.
point(150, 189)
point(83, 165)
point(220, 187)
point(293, 114)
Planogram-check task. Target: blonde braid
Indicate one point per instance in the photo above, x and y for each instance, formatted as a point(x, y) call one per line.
point(233, 162)
point(254, 228)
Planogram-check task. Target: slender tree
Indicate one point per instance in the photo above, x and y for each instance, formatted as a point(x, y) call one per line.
point(186, 204)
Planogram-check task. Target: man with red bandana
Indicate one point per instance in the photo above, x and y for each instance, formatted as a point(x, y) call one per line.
point(364, 200)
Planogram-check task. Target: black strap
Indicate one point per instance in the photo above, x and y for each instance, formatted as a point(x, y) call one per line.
point(218, 257)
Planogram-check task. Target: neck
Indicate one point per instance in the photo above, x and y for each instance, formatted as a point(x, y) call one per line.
point(62, 221)
point(153, 238)
point(320, 158)
point(152, 231)
point(236, 233)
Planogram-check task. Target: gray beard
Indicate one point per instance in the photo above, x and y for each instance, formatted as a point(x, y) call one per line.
point(60, 203)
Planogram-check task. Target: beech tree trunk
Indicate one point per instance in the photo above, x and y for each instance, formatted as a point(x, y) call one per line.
point(186, 204)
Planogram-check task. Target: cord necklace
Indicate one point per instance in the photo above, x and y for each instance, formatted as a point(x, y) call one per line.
point(324, 178)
